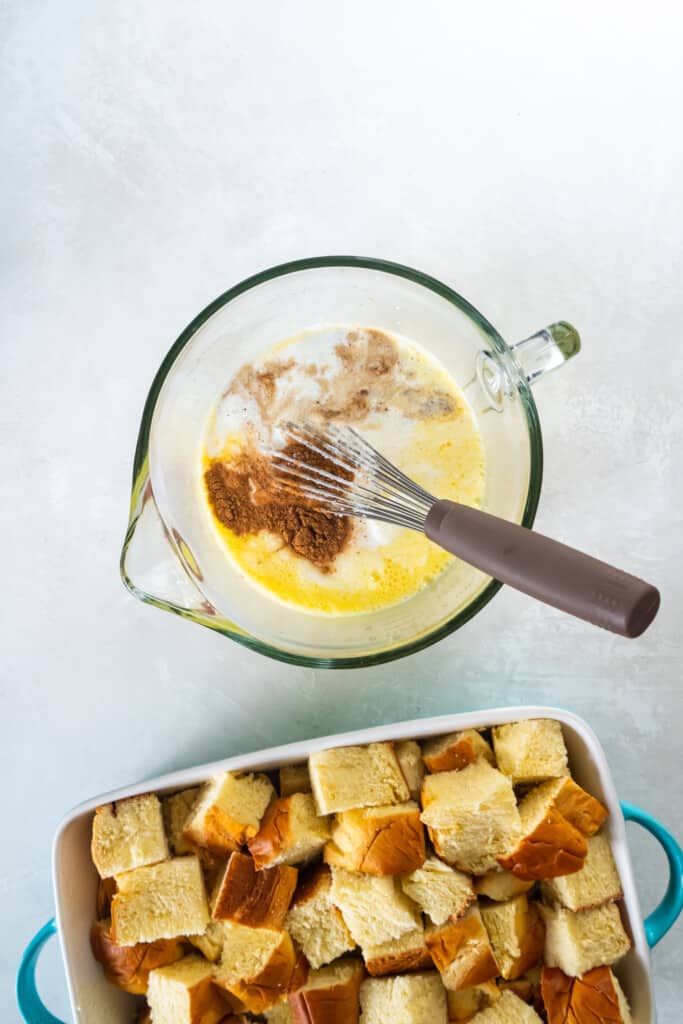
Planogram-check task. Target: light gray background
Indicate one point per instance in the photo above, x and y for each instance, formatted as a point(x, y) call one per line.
point(154, 154)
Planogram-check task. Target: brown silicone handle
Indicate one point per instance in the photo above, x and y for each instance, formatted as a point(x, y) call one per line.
point(545, 569)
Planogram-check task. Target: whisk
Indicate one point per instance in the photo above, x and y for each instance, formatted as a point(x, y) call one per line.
point(362, 482)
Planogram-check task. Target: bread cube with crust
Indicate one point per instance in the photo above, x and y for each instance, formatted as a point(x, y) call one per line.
point(439, 890)
point(348, 777)
point(254, 898)
point(404, 999)
point(184, 993)
point(210, 941)
point(410, 759)
point(501, 885)
point(579, 942)
point(549, 846)
point(596, 883)
point(294, 778)
point(398, 956)
point(595, 997)
point(581, 810)
point(374, 908)
point(128, 967)
point(509, 1009)
point(331, 995)
point(176, 810)
point(315, 923)
point(516, 933)
point(531, 751)
point(128, 834)
point(461, 951)
point(228, 811)
point(292, 832)
point(456, 750)
point(466, 1002)
point(471, 815)
point(159, 901)
point(385, 840)
point(258, 966)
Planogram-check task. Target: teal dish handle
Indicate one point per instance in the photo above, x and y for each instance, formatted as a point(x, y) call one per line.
point(30, 1004)
point(665, 915)
point(657, 924)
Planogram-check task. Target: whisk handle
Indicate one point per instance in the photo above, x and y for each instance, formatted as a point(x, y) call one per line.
point(545, 569)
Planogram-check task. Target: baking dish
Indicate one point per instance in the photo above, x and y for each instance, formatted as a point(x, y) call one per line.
point(95, 1001)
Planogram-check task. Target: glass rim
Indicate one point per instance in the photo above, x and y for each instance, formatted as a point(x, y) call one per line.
point(458, 618)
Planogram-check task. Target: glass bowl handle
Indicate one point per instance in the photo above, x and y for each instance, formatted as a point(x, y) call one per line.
point(546, 350)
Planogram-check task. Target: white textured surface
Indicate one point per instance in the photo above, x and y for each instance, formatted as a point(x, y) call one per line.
point(156, 153)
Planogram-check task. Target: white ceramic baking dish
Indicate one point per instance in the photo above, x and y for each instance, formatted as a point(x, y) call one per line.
point(95, 1001)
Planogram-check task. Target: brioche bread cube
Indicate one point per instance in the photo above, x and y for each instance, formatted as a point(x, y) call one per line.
point(595, 997)
point(439, 890)
point(128, 834)
point(255, 898)
point(509, 1009)
point(210, 941)
point(471, 815)
point(456, 750)
point(348, 777)
point(257, 966)
point(315, 923)
point(291, 832)
point(398, 956)
point(377, 840)
point(466, 1002)
point(578, 942)
point(500, 885)
point(410, 760)
point(106, 888)
point(294, 778)
point(461, 951)
point(228, 811)
point(581, 810)
point(549, 846)
point(184, 993)
point(516, 933)
point(403, 999)
point(159, 901)
point(176, 810)
point(281, 1013)
point(531, 751)
point(330, 995)
point(128, 967)
point(596, 883)
point(527, 987)
point(374, 908)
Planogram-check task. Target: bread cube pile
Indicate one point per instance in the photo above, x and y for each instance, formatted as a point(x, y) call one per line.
point(463, 879)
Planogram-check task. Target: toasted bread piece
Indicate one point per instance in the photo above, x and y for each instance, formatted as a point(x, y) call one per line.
point(472, 816)
point(596, 883)
point(210, 941)
point(176, 810)
point(184, 993)
point(596, 997)
point(456, 750)
point(500, 885)
point(330, 995)
point(404, 999)
point(159, 901)
point(228, 811)
point(531, 751)
point(257, 966)
point(255, 898)
point(128, 967)
point(291, 832)
point(315, 923)
point(549, 845)
point(461, 951)
point(398, 956)
point(466, 1002)
point(410, 759)
point(374, 908)
point(294, 778)
point(439, 890)
point(516, 933)
point(348, 777)
point(128, 834)
point(509, 1009)
point(576, 943)
point(106, 889)
point(377, 840)
point(581, 810)
point(527, 987)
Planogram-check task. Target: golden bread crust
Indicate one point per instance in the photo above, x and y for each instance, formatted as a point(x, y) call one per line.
point(255, 898)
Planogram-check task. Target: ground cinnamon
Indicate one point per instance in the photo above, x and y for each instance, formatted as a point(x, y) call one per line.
point(245, 496)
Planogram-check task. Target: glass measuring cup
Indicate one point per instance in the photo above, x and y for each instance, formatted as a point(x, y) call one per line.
point(171, 557)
